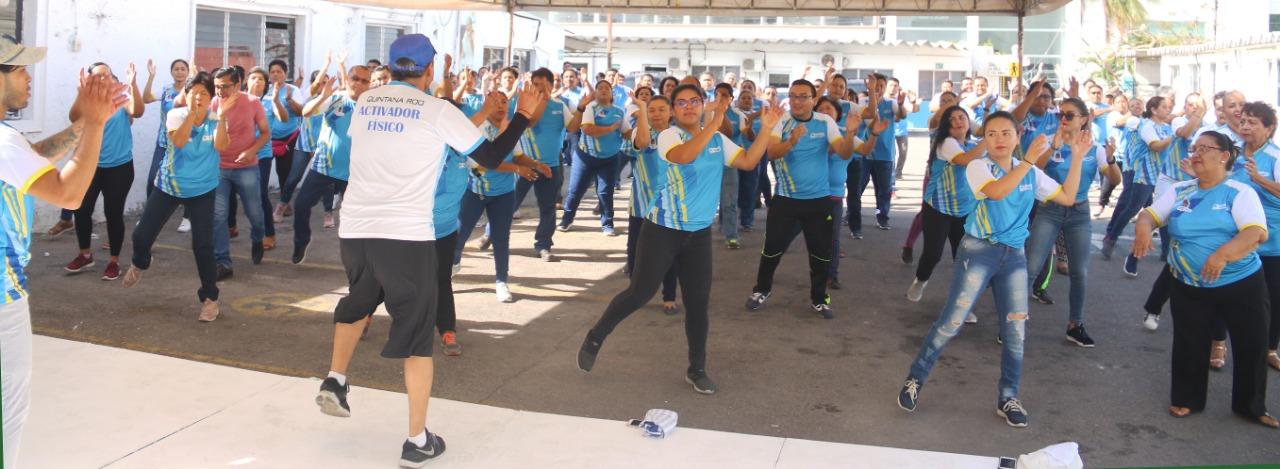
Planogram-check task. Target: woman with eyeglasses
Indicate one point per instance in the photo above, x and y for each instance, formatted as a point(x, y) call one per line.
point(603, 126)
point(1257, 167)
point(948, 200)
point(992, 253)
point(677, 227)
point(1072, 221)
point(1216, 224)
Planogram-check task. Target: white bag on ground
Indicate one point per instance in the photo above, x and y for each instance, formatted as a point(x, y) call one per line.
point(659, 423)
point(1059, 456)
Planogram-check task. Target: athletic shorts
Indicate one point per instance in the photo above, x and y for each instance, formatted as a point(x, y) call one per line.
point(400, 274)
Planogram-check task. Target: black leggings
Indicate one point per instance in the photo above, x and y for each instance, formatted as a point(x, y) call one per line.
point(634, 225)
point(814, 217)
point(113, 184)
point(1244, 307)
point(658, 251)
point(1271, 269)
point(446, 315)
point(938, 228)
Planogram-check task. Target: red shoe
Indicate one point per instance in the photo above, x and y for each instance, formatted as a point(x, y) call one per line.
point(112, 272)
point(80, 263)
point(233, 232)
point(450, 341)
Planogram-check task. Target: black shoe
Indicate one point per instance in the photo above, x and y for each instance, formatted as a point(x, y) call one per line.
point(224, 272)
point(1079, 336)
point(834, 284)
point(756, 301)
point(485, 242)
point(1042, 297)
point(823, 310)
point(300, 252)
point(907, 257)
point(257, 252)
point(414, 456)
point(1013, 413)
point(332, 398)
point(883, 226)
point(701, 382)
point(587, 354)
point(909, 395)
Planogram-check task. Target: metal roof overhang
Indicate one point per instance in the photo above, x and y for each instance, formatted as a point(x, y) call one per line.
point(741, 7)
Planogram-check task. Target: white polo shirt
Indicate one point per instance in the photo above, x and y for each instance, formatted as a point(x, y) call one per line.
point(399, 136)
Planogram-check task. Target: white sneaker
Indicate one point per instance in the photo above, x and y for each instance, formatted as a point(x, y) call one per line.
point(456, 268)
point(504, 293)
point(1151, 322)
point(917, 290)
point(972, 319)
point(185, 226)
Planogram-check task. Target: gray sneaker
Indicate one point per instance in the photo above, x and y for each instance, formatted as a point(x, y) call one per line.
point(414, 456)
point(701, 382)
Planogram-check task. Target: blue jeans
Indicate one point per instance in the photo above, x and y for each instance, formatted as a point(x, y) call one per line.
point(729, 204)
point(1074, 223)
point(586, 167)
point(244, 182)
point(748, 194)
point(498, 209)
point(881, 174)
point(545, 190)
point(314, 187)
point(979, 263)
point(1134, 196)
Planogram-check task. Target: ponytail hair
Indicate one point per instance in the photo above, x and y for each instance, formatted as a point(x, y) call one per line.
point(1152, 104)
point(1220, 140)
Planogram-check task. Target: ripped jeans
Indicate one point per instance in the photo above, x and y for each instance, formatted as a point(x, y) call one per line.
point(981, 262)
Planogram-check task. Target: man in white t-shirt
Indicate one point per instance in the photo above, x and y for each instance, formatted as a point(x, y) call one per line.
point(27, 172)
point(399, 136)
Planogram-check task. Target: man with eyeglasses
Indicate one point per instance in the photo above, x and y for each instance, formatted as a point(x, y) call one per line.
point(1036, 115)
point(239, 166)
point(799, 148)
point(1099, 109)
point(330, 168)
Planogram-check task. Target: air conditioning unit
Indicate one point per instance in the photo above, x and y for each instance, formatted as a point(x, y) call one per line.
point(750, 65)
point(677, 63)
point(846, 62)
point(829, 58)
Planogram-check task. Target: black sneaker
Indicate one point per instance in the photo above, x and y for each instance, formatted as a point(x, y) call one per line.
point(1013, 413)
point(414, 456)
point(834, 284)
point(701, 382)
point(909, 395)
point(823, 310)
point(300, 252)
point(907, 257)
point(256, 252)
point(1079, 336)
point(756, 301)
point(587, 354)
point(224, 272)
point(883, 226)
point(855, 234)
point(1042, 297)
point(485, 242)
point(332, 398)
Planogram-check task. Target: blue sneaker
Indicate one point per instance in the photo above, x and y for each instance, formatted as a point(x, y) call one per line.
point(909, 395)
point(608, 231)
point(1131, 266)
point(1013, 413)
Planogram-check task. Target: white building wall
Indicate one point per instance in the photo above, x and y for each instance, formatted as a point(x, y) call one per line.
point(117, 32)
point(1254, 72)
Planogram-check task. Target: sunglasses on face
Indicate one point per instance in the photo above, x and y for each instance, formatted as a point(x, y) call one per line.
point(1066, 116)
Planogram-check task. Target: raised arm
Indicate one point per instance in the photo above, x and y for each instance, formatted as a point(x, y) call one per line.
point(1020, 112)
point(147, 97)
point(1080, 147)
point(98, 100)
point(1001, 187)
point(751, 158)
point(686, 152)
point(136, 105)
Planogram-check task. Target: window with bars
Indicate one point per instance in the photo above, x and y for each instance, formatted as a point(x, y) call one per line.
point(378, 39)
point(225, 38)
point(930, 83)
point(496, 58)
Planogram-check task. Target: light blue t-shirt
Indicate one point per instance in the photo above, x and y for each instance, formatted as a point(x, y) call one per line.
point(192, 170)
point(802, 173)
point(607, 145)
point(471, 103)
point(621, 95)
point(1201, 221)
point(333, 153)
point(283, 127)
point(838, 170)
point(1265, 159)
point(1100, 128)
point(491, 182)
point(453, 181)
point(886, 149)
point(689, 193)
point(168, 95)
point(309, 133)
point(1146, 163)
point(948, 190)
point(1059, 165)
point(544, 140)
point(264, 153)
point(1004, 221)
point(1034, 126)
point(117, 141)
point(647, 175)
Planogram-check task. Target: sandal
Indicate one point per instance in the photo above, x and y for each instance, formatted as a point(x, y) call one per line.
point(1179, 412)
point(1218, 355)
point(1269, 421)
point(1273, 360)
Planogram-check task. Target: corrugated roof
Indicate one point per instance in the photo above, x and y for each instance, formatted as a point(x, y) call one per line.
point(743, 7)
point(1268, 39)
point(599, 40)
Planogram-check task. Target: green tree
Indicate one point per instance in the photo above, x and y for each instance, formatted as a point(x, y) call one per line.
point(1123, 16)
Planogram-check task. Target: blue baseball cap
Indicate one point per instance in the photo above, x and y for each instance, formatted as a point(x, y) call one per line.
point(415, 47)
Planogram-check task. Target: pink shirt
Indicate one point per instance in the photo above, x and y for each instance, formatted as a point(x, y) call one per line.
point(242, 127)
